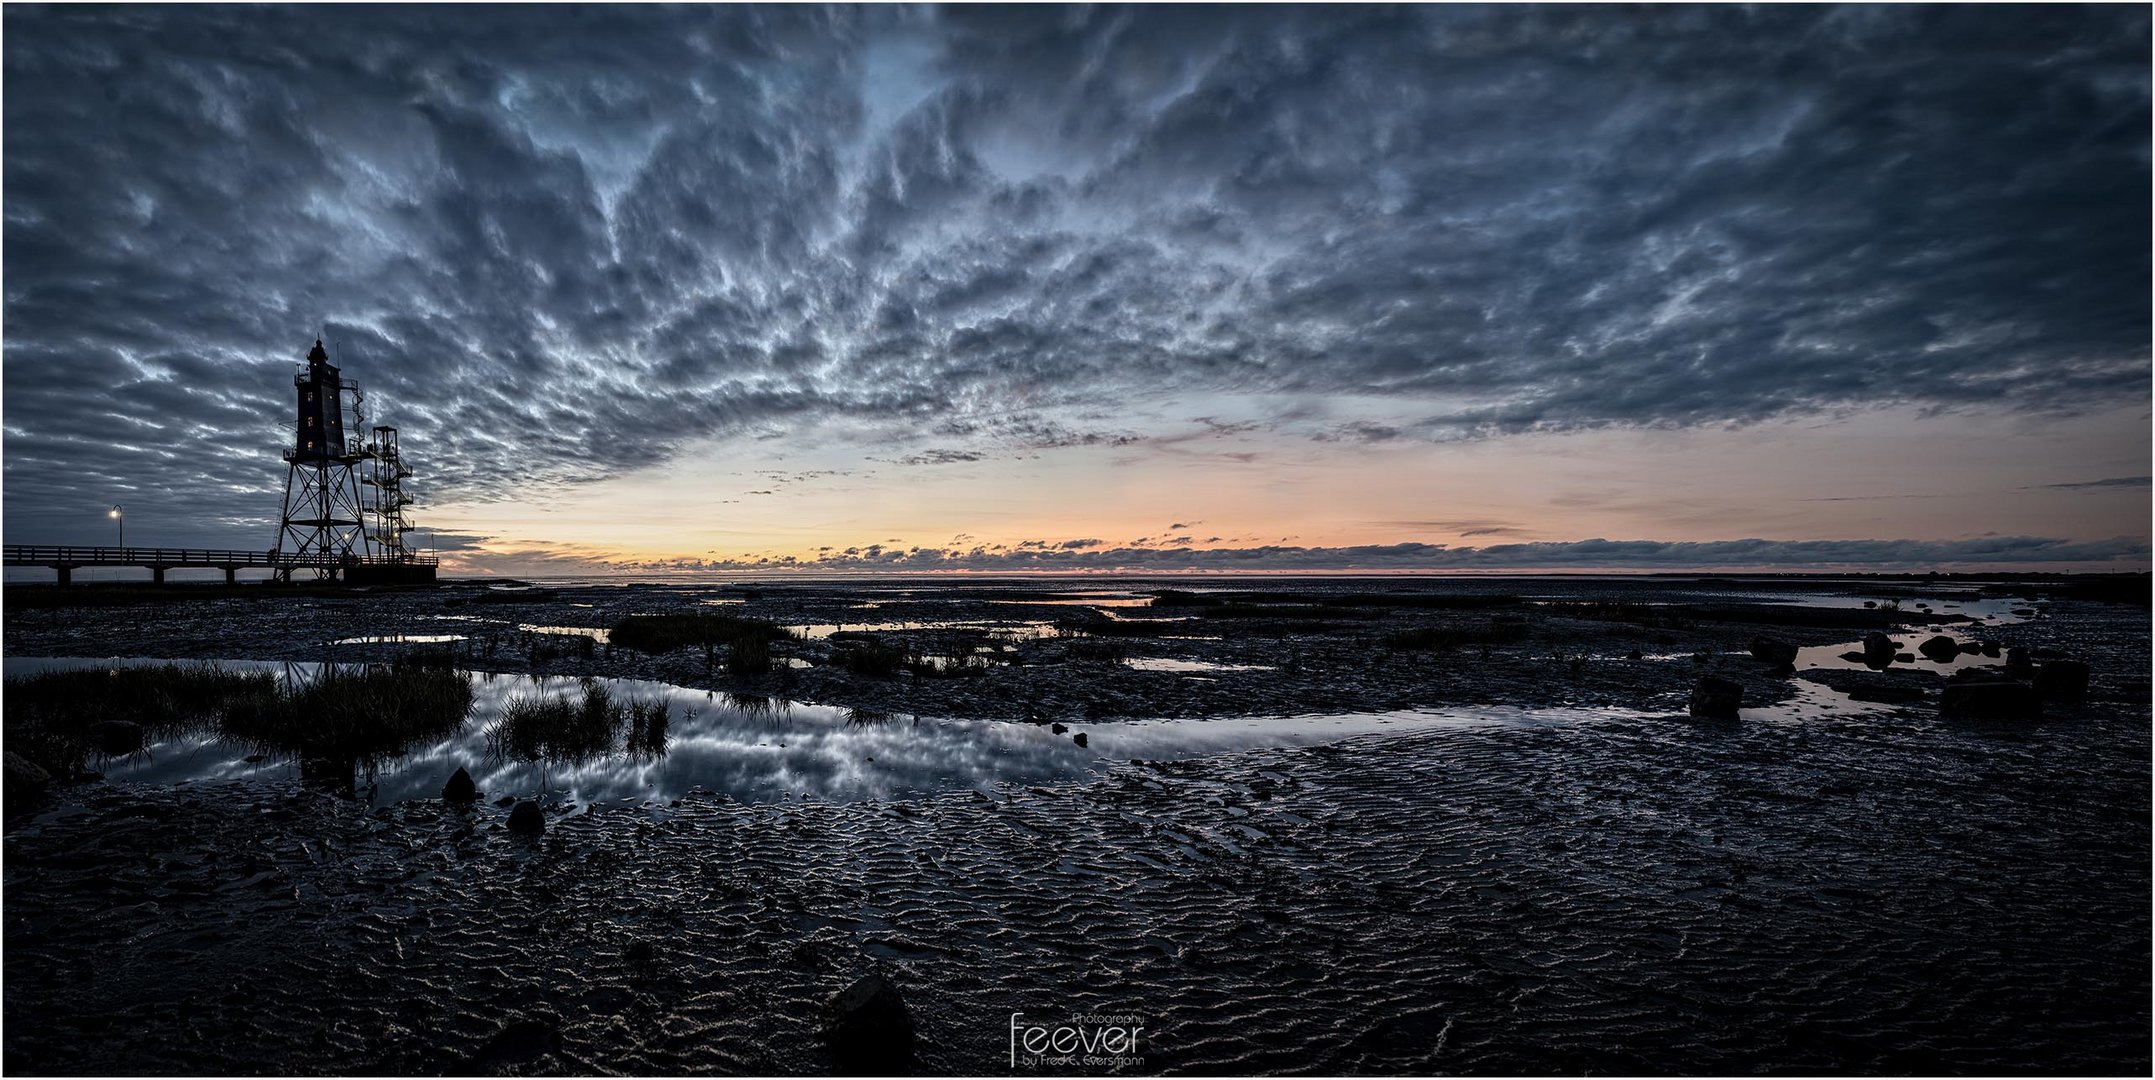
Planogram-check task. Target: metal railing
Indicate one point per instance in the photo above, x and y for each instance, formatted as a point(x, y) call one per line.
point(52, 555)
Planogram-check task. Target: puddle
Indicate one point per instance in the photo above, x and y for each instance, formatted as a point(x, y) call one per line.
point(1101, 600)
point(601, 636)
point(763, 749)
point(1832, 658)
point(1150, 664)
point(1008, 631)
point(398, 639)
point(1998, 611)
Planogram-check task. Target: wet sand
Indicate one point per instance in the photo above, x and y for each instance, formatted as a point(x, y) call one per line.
point(1823, 886)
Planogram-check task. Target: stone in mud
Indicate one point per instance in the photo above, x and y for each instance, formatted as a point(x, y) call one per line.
point(1852, 657)
point(459, 789)
point(1716, 698)
point(1971, 648)
point(869, 1029)
point(1989, 699)
point(506, 800)
point(1057, 729)
point(114, 738)
point(24, 779)
point(1078, 738)
point(1905, 657)
point(2017, 662)
point(1878, 649)
point(1634, 655)
point(2061, 680)
point(1940, 649)
point(1990, 648)
point(1776, 653)
point(527, 819)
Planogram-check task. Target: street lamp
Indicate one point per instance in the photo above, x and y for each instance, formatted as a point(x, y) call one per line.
point(121, 519)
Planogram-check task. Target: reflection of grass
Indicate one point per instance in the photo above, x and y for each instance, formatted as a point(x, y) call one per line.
point(648, 721)
point(571, 729)
point(352, 713)
point(48, 715)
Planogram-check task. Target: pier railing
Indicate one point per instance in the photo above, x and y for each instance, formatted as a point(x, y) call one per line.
point(67, 558)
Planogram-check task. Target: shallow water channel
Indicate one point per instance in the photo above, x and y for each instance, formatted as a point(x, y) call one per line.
point(755, 749)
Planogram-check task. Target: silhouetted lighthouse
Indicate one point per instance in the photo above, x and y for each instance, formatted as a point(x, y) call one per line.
point(326, 523)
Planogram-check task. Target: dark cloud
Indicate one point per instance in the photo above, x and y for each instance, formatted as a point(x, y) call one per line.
point(560, 243)
point(2115, 481)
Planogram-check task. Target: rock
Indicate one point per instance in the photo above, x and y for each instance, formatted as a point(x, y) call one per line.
point(1990, 648)
point(114, 738)
point(459, 789)
point(1634, 655)
point(1853, 657)
point(641, 953)
point(506, 800)
point(2025, 613)
point(869, 1029)
point(1985, 699)
point(2017, 663)
point(2061, 680)
point(1772, 651)
point(1971, 648)
point(1716, 698)
point(24, 780)
point(1940, 649)
point(1078, 738)
point(527, 819)
point(1057, 729)
point(1905, 657)
point(1870, 603)
point(1878, 649)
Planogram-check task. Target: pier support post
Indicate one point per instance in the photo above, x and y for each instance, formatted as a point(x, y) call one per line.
point(67, 575)
point(231, 575)
point(157, 575)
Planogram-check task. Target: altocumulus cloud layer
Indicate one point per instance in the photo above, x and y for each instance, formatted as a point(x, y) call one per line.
point(568, 242)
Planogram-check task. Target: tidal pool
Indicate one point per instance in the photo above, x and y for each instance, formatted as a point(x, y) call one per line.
point(755, 749)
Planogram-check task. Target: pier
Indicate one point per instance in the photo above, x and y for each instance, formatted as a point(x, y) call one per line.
point(352, 569)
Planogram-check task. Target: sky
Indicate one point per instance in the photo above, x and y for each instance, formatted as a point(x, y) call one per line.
point(990, 289)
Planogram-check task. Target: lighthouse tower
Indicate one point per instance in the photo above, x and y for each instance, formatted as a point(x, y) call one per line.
point(323, 520)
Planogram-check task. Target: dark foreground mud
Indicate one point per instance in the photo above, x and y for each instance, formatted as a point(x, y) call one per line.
point(1864, 889)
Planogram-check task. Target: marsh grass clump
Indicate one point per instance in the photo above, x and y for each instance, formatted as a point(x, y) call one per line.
point(665, 633)
point(352, 713)
point(873, 658)
point(1659, 616)
point(576, 728)
point(49, 716)
point(1497, 631)
point(961, 665)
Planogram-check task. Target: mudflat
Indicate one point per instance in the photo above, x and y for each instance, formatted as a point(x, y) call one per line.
point(1359, 827)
